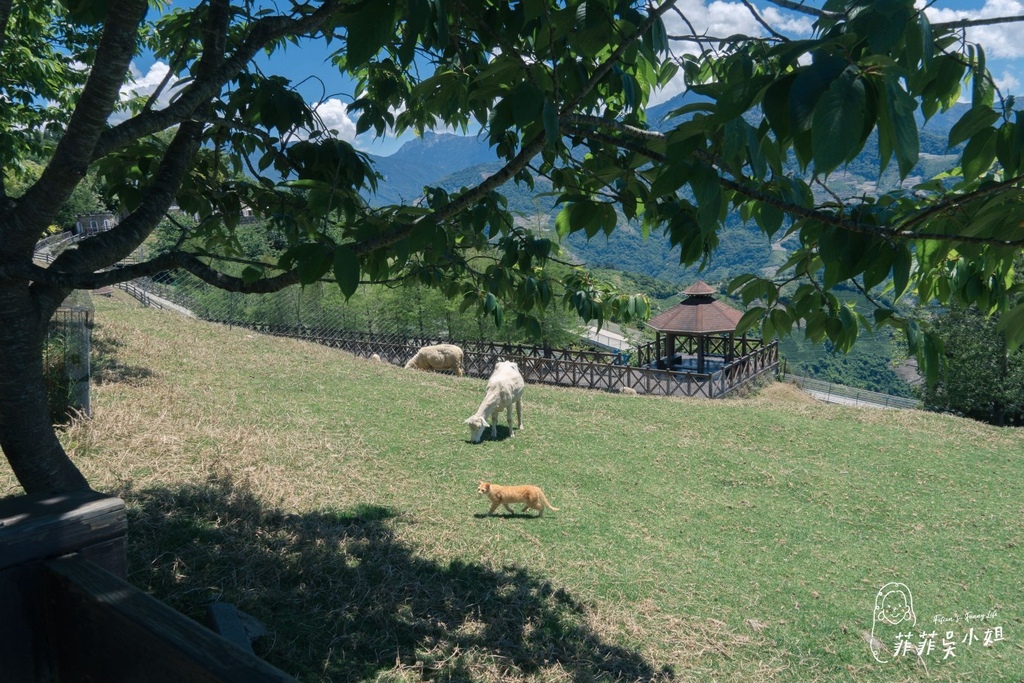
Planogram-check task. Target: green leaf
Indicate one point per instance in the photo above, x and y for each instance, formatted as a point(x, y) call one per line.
point(838, 123)
point(974, 120)
point(899, 110)
point(368, 31)
point(878, 269)
point(251, 274)
point(87, 11)
point(901, 271)
point(527, 104)
point(739, 281)
point(883, 314)
point(927, 40)
point(312, 261)
point(1009, 145)
point(809, 86)
point(982, 90)
point(776, 107)
point(930, 357)
point(750, 318)
point(708, 192)
point(562, 224)
point(979, 154)
point(1011, 324)
point(346, 270)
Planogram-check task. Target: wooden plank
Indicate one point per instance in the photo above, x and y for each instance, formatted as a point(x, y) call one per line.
point(42, 526)
point(102, 628)
point(36, 528)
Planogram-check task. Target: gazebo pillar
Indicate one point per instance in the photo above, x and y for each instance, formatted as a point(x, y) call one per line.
point(700, 353)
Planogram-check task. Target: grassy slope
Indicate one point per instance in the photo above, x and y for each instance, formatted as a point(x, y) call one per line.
point(334, 499)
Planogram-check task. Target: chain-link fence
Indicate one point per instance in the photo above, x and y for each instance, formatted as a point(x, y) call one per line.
point(66, 358)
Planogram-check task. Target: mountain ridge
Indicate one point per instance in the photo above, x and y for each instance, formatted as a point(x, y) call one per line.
point(455, 161)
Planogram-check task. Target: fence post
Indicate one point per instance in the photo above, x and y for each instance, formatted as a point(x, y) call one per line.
point(77, 359)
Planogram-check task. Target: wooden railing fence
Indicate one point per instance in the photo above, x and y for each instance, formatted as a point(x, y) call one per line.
point(69, 614)
point(582, 369)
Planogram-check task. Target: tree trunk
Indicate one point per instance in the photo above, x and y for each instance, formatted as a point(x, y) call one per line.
point(27, 436)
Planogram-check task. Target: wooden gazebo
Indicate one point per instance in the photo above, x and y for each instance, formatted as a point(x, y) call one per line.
point(708, 325)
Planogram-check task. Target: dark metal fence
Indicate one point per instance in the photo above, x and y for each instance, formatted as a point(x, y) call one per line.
point(66, 361)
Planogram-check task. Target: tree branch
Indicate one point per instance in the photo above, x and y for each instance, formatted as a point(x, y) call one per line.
point(831, 219)
point(616, 55)
point(208, 85)
point(968, 23)
point(99, 96)
point(804, 9)
point(516, 164)
point(5, 15)
point(167, 261)
point(107, 248)
point(757, 17)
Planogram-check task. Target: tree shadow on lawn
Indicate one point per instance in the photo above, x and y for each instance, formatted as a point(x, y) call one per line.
point(346, 600)
point(106, 366)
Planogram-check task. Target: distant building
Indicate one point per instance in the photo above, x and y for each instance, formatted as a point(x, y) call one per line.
point(93, 223)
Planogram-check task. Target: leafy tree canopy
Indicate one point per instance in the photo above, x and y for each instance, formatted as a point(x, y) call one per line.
point(982, 380)
point(559, 89)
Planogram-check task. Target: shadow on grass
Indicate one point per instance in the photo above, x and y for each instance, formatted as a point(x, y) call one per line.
point(107, 368)
point(506, 515)
point(503, 433)
point(346, 600)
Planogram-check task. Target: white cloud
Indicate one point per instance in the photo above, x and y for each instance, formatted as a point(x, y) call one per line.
point(788, 23)
point(1008, 83)
point(144, 85)
point(334, 114)
point(721, 19)
point(1000, 40)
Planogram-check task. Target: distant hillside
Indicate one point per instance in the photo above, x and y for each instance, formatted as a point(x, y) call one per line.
point(454, 162)
point(423, 162)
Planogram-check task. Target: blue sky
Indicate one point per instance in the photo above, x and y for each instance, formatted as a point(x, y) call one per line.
point(321, 84)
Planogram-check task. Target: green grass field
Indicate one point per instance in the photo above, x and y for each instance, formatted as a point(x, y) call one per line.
point(334, 499)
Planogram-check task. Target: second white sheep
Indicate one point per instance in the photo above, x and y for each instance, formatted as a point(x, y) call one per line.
point(438, 357)
point(504, 389)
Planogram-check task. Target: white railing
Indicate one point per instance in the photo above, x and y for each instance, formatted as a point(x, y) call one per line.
point(839, 393)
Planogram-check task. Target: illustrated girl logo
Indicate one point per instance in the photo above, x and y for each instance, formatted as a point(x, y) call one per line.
point(894, 606)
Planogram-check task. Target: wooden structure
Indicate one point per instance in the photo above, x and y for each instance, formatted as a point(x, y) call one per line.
point(69, 615)
point(707, 325)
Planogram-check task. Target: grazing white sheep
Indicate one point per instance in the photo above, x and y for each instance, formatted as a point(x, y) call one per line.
point(376, 358)
point(628, 391)
point(437, 357)
point(504, 389)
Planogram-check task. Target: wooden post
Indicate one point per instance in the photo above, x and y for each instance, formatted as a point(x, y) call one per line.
point(34, 529)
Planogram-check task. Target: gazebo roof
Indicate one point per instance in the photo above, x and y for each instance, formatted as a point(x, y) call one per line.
point(699, 288)
point(699, 313)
